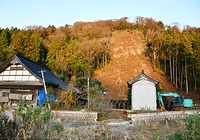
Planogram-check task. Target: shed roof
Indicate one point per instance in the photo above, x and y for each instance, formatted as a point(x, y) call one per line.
point(35, 68)
point(142, 76)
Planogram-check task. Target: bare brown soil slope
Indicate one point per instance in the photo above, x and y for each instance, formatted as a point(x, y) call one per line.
point(128, 60)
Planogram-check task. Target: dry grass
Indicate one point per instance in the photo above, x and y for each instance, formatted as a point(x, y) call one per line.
point(98, 131)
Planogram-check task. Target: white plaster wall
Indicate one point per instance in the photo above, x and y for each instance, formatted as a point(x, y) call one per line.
point(144, 96)
point(17, 74)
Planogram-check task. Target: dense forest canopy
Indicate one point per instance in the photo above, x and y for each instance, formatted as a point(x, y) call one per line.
point(80, 49)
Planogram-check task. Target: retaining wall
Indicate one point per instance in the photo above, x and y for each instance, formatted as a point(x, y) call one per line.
point(75, 116)
point(161, 116)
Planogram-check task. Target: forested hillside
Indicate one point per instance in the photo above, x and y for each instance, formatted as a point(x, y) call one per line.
point(128, 53)
point(86, 49)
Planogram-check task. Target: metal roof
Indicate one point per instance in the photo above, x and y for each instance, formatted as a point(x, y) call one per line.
point(35, 69)
point(142, 76)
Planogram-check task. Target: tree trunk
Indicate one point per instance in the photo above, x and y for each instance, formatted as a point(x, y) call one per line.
point(181, 78)
point(173, 69)
point(176, 72)
point(98, 62)
point(170, 65)
point(165, 65)
point(103, 60)
point(186, 78)
point(154, 58)
point(195, 80)
point(106, 59)
point(190, 79)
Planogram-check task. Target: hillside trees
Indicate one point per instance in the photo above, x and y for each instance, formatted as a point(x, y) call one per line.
point(89, 49)
point(196, 44)
point(190, 42)
point(5, 38)
point(56, 55)
point(79, 49)
point(154, 35)
point(174, 51)
point(28, 43)
point(104, 53)
point(171, 46)
point(32, 47)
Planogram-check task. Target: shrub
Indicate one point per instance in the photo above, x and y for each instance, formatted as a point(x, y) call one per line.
point(192, 131)
point(27, 122)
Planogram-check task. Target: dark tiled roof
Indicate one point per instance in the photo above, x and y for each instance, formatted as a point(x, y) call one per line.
point(139, 77)
point(35, 69)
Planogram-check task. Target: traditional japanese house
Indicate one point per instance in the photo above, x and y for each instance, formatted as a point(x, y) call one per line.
point(143, 92)
point(22, 78)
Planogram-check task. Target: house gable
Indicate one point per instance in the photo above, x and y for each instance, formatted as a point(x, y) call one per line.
point(32, 70)
point(17, 72)
point(21, 78)
point(141, 76)
point(143, 92)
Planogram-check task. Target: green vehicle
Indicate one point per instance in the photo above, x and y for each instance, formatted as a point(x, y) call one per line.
point(171, 101)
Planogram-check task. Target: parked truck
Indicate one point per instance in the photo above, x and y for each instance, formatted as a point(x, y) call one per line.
point(176, 101)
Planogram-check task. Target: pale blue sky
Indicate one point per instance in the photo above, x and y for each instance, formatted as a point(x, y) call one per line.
point(22, 13)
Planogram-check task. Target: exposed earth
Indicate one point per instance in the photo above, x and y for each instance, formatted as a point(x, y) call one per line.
point(128, 60)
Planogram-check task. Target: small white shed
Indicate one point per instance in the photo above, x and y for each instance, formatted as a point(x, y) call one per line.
point(143, 92)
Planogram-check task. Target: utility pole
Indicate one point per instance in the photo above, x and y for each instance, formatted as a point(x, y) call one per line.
point(45, 89)
point(44, 84)
point(88, 93)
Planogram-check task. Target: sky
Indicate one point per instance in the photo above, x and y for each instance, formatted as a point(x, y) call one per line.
point(23, 13)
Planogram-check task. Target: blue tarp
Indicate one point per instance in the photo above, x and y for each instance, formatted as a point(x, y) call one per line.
point(52, 98)
point(43, 98)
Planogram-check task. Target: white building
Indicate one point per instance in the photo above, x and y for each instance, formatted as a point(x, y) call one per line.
point(143, 92)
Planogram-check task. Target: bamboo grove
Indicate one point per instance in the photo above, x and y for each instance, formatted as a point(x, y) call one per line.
point(79, 49)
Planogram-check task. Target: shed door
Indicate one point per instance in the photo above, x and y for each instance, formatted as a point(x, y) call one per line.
point(143, 96)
